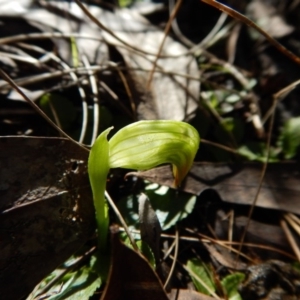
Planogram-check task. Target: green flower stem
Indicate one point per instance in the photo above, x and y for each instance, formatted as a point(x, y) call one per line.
point(98, 168)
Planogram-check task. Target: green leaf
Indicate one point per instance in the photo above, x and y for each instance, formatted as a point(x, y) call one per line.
point(231, 283)
point(146, 144)
point(258, 152)
point(289, 139)
point(170, 206)
point(201, 276)
point(81, 285)
point(128, 207)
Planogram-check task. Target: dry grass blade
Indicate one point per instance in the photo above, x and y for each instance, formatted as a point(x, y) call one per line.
point(208, 240)
point(106, 29)
point(290, 239)
point(263, 173)
point(176, 242)
point(293, 221)
point(167, 30)
point(238, 16)
point(96, 107)
point(122, 221)
point(280, 95)
point(224, 244)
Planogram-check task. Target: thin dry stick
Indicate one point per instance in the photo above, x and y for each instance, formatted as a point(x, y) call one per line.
point(44, 76)
point(46, 35)
point(121, 219)
point(115, 97)
point(96, 107)
point(263, 247)
point(232, 43)
point(103, 27)
point(54, 113)
point(231, 223)
point(238, 16)
point(37, 109)
point(225, 244)
point(280, 96)
point(187, 42)
point(24, 58)
point(263, 173)
point(293, 223)
point(232, 150)
point(167, 30)
point(128, 91)
point(170, 249)
point(174, 259)
point(294, 218)
point(213, 32)
point(290, 238)
point(205, 239)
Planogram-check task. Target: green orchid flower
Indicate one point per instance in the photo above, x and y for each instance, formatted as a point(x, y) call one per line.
point(142, 145)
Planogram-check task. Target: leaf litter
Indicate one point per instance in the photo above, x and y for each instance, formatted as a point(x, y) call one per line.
point(120, 65)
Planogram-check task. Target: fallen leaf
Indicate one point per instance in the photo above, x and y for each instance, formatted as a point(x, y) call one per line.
point(130, 276)
point(181, 294)
point(238, 183)
point(46, 208)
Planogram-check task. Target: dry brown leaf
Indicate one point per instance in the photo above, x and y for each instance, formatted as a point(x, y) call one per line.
point(46, 207)
point(130, 276)
point(238, 183)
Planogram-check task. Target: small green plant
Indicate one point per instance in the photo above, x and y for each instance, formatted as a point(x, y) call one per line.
point(141, 145)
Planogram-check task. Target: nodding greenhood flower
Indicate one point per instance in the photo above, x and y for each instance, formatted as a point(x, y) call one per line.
point(146, 144)
point(142, 145)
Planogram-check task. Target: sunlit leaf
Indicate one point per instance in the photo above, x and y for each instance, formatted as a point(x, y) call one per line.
point(231, 283)
point(169, 205)
point(258, 152)
point(77, 285)
point(201, 276)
